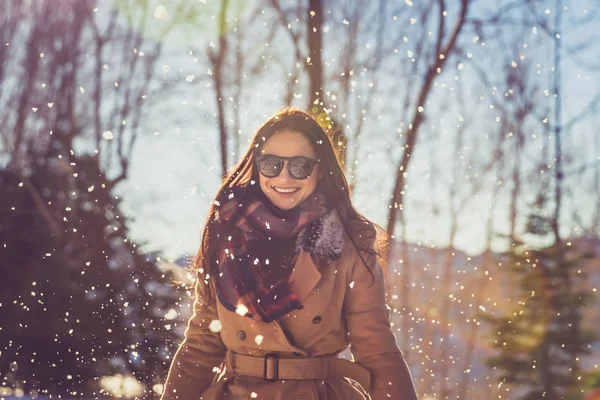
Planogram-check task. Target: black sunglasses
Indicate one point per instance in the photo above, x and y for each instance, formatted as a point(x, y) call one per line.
point(299, 167)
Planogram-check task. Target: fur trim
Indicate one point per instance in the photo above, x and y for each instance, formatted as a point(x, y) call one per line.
point(323, 237)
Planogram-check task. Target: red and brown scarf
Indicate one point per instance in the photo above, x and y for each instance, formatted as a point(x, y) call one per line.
point(252, 245)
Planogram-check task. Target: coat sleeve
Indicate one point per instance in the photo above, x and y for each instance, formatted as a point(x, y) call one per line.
point(192, 368)
point(372, 341)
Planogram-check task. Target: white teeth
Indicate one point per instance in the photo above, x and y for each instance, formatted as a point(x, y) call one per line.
point(285, 190)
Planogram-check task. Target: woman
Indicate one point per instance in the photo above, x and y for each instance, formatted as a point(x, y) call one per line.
point(288, 277)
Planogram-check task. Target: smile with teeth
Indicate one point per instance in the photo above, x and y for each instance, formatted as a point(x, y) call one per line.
point(282, 190)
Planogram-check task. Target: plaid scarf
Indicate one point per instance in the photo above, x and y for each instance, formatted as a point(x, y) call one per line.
point(250, 228)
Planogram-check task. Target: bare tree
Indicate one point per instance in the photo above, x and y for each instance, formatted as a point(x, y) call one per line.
point(341, 95)
point(596, 185)
point(443, 51)
point(355, 83)
point(232, 63)
point(433, 65)
point(216, 58)
point(462, 186)
point(558, 169)
point(314, 64)
point(59, 113)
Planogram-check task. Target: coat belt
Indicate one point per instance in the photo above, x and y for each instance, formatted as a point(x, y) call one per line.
point(271, 367)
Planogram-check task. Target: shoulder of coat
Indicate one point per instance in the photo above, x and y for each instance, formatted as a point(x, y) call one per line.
point(363, 238)
point(363, 233)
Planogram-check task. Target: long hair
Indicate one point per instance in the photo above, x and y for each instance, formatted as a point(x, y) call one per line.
point(365, 235)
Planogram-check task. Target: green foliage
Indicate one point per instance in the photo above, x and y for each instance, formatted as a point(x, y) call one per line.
point(77, 299)
point(540, 339)
point(180, 22)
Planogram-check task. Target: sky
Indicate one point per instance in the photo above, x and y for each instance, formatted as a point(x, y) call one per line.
point(175, 166)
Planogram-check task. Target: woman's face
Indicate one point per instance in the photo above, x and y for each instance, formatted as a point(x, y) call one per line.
point(288, 144)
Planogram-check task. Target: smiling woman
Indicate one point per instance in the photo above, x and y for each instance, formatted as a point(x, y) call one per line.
point(288, 271)
point(287, 187)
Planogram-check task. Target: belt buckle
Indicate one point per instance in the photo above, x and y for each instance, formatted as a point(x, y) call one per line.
point(275, 357)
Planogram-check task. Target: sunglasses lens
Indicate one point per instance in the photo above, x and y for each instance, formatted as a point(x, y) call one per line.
point(269, 166)
point(300, 167)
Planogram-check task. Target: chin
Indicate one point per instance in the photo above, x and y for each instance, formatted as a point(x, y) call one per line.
point(284, 204)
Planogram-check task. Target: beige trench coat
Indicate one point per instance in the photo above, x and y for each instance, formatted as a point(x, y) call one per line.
point(342, 306)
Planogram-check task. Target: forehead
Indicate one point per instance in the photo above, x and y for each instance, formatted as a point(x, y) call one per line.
point(288, 144)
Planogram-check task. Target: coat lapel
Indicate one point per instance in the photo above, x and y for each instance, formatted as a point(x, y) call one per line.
point(304, 276)
point(321, 241)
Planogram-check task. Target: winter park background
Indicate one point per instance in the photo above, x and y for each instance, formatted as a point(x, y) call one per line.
point(468, 129)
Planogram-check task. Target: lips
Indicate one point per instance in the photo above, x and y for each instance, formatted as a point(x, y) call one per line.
point(285, 190)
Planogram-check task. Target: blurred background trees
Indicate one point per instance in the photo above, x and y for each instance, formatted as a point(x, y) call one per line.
point(467, 129)
point(79, 300)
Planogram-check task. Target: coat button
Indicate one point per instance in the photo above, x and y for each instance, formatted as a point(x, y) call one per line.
point(241, 335)
point(317, 319)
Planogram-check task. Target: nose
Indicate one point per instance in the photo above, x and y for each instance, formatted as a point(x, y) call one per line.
point(285, 174)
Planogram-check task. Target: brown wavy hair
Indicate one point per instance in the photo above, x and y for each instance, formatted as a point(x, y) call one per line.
point(365, 235)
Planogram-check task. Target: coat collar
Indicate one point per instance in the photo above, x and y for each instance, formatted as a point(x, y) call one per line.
point(319, 242)
point(323, 237)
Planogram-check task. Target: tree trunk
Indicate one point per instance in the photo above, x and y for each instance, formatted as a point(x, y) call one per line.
point(314, 65)
point(30, 70)
point(217, 59)
point(558, 173)
point(405, 304)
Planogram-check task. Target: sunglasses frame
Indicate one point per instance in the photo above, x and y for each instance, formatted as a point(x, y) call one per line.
point(313, 162)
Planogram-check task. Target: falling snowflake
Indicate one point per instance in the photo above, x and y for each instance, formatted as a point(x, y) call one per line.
point(160, 12)
point(215, 326)
point(241, 310)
